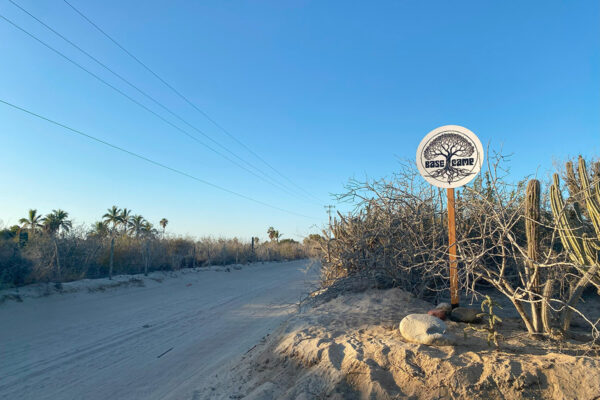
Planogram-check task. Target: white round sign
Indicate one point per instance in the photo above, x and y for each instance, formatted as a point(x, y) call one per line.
point(449, 156)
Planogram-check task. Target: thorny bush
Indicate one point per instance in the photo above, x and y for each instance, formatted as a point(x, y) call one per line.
point(396, 233)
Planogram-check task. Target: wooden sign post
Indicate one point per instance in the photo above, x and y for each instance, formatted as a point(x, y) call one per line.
point(450, 157)
point(452, 249)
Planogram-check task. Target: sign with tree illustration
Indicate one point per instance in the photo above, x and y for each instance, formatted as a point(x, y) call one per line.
point(449, 156)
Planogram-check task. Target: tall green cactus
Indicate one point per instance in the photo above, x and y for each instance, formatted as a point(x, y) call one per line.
point(532, 220)
point(582, 250)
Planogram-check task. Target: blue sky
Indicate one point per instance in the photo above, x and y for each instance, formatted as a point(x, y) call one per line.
point(324, 91)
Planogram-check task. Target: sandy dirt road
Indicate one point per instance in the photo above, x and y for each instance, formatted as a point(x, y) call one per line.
point(159, 341)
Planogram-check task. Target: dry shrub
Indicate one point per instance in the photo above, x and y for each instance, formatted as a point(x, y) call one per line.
point(85, 254)
point(397, 233)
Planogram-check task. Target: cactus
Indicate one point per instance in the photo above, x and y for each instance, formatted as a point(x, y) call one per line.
point(540, 313)
point(571, 242)
point(532, 214)
point(596, 170)
point(492, 322)
point(582, 249)
point(532, 220)
point(591, 195)
point(575, 190)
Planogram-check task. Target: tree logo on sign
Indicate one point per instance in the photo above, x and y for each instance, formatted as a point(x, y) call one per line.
point(448, 146)
point(449, 156)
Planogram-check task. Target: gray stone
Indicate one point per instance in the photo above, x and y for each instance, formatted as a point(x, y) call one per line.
point(444, 306)
point(464, 314)
point(426, 329)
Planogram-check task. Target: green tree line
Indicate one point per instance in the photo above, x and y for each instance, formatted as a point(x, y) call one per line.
point(44, 248)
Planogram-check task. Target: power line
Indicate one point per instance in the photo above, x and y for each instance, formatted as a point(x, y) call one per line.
point(270, 181)
point(144, 158)
point(137, 102)
point(188, 101)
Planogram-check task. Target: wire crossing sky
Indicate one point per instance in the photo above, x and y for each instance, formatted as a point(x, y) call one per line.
point(311, 94)
point(268, 180)
point(277, 171)
point(148, 160)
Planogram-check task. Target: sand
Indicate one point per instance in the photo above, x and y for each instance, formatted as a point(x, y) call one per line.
point(137, 337)
point(350, 348)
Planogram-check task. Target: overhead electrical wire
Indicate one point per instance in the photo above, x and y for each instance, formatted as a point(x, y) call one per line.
point(151, 98)
point(140, 104)
point(149, 160)
point(189, 102)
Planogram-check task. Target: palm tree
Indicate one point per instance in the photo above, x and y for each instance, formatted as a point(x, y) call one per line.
point(33, 222)
point(163, 222)
point(54, 223)
point(273, 234)
point(100, 229)
point(57, 222)
point(136, 224)
point(125, 217)
point(113, 216)
point(148, 229)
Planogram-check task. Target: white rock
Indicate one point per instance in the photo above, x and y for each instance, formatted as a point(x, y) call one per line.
point(426, 329)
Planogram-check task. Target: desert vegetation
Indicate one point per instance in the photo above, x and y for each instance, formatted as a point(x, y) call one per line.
point(535, 243)
point(44, 248)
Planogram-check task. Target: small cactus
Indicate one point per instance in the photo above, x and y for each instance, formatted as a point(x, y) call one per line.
point(492, 321)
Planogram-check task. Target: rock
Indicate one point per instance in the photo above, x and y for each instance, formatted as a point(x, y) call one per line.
point(426, 329)
point(441, 314)
point(464, 314)
point(444, 306)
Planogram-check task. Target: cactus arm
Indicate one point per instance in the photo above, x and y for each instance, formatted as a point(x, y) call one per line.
point(574, 190)
point(591, 200)
point(572, 244)
point(597, 191)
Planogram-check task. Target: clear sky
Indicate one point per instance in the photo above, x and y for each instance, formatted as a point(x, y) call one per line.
point(322, 90)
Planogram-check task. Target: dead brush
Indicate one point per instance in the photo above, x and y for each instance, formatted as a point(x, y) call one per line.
point(508, 239)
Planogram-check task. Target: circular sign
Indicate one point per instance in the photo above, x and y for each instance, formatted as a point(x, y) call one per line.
point(449, 156)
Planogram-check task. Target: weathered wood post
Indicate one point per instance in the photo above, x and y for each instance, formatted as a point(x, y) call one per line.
point(454, 300)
